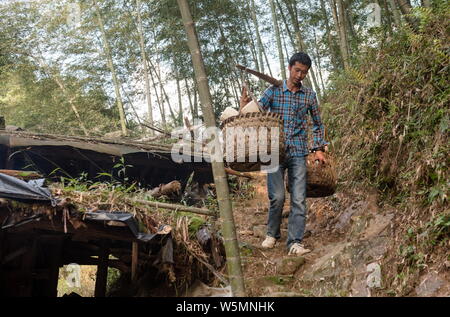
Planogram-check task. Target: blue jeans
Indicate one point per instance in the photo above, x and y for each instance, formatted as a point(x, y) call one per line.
point(296, 167)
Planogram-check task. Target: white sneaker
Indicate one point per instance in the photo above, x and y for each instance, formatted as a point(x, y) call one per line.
point(298, 249)
point(269, 242)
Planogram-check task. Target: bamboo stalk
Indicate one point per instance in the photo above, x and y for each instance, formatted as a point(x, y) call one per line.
point(156, 204)
point(108, 54)
point(220, 178)
point(144, 63)
point(278, 38)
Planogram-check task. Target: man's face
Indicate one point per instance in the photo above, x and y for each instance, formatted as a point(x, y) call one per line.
point(297, 73)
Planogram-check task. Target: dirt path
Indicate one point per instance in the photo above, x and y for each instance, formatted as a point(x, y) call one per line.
point(349, 236)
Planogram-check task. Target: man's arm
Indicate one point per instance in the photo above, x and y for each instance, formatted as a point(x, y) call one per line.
point(319, 142)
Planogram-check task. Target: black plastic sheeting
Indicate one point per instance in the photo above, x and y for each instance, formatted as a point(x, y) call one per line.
point(14, 188)
point(123, 217)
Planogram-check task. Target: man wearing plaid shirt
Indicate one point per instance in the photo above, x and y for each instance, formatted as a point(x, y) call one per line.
point(293, 102)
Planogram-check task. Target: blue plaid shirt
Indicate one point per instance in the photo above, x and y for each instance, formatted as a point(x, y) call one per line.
point(294, 108)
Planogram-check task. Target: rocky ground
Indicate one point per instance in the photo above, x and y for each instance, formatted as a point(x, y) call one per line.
point(350, 237)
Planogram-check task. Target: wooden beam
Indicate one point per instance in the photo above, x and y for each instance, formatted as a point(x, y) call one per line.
point(102, 271)
point(134, 261)
point(93, 231)
point(54, 263)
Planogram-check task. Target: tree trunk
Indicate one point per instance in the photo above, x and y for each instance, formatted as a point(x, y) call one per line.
point(163, 92)
point(343, 29)
point(191, 105)
point(387, 14)
point(159, 101)
point(148, 94)
point(231, 61)
point(405, 6)
point(319, 63)
point(258, 36)
point(331, 44)
point(61, 85)
point(341, 35)
point(285, 50)
point(196, 100)
point(286, 24)
point(278, 38)
point(349, 20)
point(301, 45)
point(267, 62)
point(426, 3)
point(258, 40)
point(220, 178)
point(180, 102)
point(107, 51)
point(395, 12)
point(253, 45)
point(405, 9)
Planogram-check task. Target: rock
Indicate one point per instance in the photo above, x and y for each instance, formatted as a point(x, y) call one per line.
point(260, 231)
point(430, 284)
point(246, 232)
point(345, 217)
point(358, 287)
point(279, 279)
point(377, 226)
point(374, 278)
point(199, 289)
point(274, 289)
point(289, 265)
point(268, 284)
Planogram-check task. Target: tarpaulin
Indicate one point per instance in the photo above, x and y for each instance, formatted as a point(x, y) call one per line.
point(12, 187)
point(122, 217)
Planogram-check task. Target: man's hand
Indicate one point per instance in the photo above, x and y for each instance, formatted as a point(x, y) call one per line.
point(320, 157)
point(245, 99)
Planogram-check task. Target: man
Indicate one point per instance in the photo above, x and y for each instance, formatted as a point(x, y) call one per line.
point(293, 102)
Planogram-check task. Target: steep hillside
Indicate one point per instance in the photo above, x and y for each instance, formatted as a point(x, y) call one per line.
point(388, 118)
point(386, 231)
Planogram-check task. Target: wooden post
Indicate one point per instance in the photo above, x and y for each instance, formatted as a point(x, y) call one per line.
point(54, 264)
point(102, 271)
point(28, 261)
point(134, 261)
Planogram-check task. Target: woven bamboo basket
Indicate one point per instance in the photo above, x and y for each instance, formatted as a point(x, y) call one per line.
point(251, 160)
point(321, 179)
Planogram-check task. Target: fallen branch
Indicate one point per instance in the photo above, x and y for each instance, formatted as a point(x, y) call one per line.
point(212, 269)
point(236, 173)
point(24, 175)
point(202, 211)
